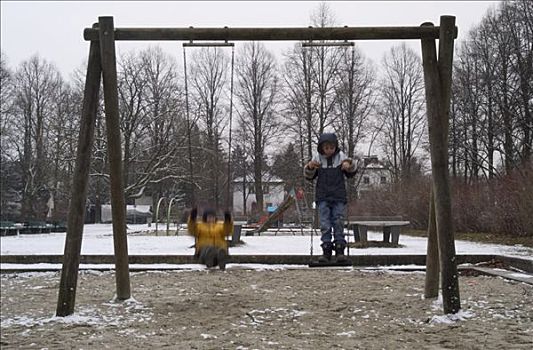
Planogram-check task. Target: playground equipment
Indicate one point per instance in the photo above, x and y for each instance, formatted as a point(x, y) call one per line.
point(168, 214)
point(102, 65)
point(169, 208)
point(157, 214)
point(286, 204)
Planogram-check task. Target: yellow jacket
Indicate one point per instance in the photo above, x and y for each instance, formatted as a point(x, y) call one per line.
point(210, 234)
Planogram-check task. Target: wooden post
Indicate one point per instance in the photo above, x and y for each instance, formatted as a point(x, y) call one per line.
point(80, 178)
point(438, 131)
point(431, 289)
point(114, 150)
point(446, 235)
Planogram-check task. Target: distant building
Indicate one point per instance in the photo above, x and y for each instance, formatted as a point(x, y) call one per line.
point(375, 175)
point(135, 214)
point(273, 194)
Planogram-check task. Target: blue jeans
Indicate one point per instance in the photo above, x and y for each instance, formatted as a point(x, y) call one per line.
point(332, 219)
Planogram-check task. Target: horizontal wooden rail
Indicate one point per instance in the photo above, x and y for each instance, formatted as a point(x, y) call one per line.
point(523, 264)
point(270, 34)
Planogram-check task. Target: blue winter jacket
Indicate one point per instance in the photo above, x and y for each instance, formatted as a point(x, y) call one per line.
point(330, 185)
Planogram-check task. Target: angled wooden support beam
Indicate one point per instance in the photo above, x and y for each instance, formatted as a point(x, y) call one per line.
point(431, 288)
point(80, 178)
point(114, 148)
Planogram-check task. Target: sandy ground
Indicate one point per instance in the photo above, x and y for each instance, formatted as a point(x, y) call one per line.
point(264, 309)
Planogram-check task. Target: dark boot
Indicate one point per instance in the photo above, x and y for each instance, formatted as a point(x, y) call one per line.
point(208, 256)
point(327, 250)
point(339, 254)
point(222, 258)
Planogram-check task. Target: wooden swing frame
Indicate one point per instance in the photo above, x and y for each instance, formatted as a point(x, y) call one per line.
point(102, 65)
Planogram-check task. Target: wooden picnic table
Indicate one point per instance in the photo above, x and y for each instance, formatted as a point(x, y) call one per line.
point(390, 225)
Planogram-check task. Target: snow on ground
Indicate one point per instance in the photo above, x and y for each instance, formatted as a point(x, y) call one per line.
point(98, 240)
point(27, 320)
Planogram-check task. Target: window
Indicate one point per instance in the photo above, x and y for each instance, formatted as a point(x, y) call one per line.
point(383, 180)
point(251, 189)
point(366, 180)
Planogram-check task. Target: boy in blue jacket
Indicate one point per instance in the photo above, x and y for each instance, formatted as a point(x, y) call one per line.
point(330, 166)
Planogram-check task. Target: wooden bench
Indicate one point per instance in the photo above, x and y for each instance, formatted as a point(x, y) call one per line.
point(36, 227)
point(58, 226)
point(8, 228)
point(390, 224)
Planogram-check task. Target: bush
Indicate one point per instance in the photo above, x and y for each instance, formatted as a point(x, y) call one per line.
point(503, 205)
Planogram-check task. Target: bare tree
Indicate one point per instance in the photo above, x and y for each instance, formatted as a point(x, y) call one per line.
point(493, 93)
point(491, 127)
point(310, 86)
point(164, 146)
point(131, 87)
point(355, 99)
point(468, 112)
point(504, 84)
point(297, 93)
point(36, 86)
point(517, 19)
point(402, 109)
point(256, 92)
point(151, 115)
point(286, 168)
point(311, 80)
point(484, 45)
point(6, 91)
point(9, 176)
point(209, 81)
point(62, 133)
point(324, 65)
point(6, 109)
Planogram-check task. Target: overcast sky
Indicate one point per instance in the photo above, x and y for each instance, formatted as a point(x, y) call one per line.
point(54, 30)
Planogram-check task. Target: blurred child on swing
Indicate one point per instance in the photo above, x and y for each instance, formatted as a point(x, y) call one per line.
point(211, 248)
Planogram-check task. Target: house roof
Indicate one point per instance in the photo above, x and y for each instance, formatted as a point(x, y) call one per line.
point(250, 179)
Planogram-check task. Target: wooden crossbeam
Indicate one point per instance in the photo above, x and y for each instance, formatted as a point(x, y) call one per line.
point(269, 34)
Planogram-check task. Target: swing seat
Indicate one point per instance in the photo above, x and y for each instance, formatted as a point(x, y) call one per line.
point(331, 263)
point(314, 262)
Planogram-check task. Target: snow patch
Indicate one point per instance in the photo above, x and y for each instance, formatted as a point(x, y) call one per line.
point(208, 336)
point(346, 334)
point(462, 315)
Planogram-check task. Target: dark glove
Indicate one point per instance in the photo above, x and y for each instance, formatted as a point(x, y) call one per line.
point(227, 216)
point(194, 213)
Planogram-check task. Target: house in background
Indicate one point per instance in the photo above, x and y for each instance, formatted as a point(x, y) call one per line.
point(273, 194)
point(375, 175)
